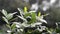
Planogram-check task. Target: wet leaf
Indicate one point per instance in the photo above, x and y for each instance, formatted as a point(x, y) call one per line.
point(5, 20)
point(4, 12)
point(9, 16)
point(20, 11)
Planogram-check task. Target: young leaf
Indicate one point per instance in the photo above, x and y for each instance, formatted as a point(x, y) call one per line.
point(2, 32)
point(39, 14)
point(27, 14)
point(33, 17)
point(25, 9)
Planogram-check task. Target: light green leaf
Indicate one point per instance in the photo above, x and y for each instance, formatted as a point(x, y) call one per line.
point(39, 14)
point(13, 26)
point(25, 9)
point(27, 14)
point(33, 17)
point(5, 20)
point(20, 11)
point(8, 25)
point(9, 16)
point(4, 12)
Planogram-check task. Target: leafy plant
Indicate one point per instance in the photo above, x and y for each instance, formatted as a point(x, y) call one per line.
point(32, 23)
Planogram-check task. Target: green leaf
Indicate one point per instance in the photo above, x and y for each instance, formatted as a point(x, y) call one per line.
point(36, 32)
point(27, 14)
point(13, 26)
point(30, 31)
point(20, 11)
point(5, 20)
point(46, 14)
point(8, 25)
point(4, 12)
point(39, 14)
point(33, 18)
point(9, 16)
point(58, 30)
